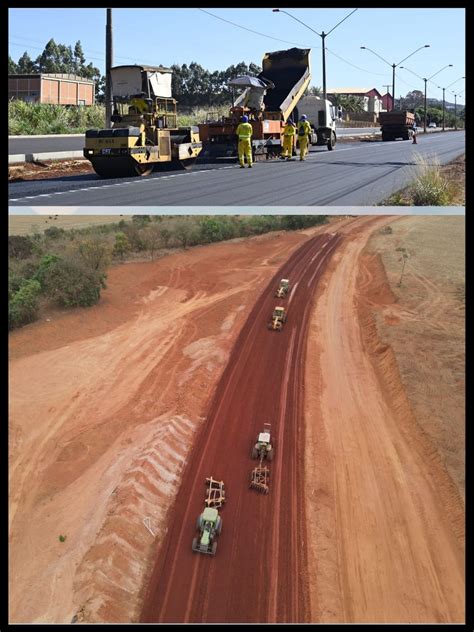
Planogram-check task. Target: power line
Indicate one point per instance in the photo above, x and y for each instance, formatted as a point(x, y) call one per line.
point(251, 31)
point(382, 74)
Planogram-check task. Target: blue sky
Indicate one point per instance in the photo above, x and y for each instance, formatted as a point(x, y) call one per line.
point(168, 36)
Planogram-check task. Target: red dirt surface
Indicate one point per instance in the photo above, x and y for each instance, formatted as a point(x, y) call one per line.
point(263, 536)
point(119, 413)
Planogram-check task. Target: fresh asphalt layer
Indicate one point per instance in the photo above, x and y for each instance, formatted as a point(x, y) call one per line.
point(355, 174)
point(75, 142)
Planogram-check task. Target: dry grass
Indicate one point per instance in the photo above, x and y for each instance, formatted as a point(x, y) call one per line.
point(435, 185)
point(426, 325)
point(30, 224)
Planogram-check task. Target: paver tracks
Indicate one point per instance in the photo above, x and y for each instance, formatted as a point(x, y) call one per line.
point(258, 572)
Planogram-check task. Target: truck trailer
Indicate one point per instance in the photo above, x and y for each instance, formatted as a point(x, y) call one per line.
point(396, 124)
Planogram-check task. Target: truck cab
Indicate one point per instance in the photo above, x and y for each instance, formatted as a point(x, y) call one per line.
point(322, 116)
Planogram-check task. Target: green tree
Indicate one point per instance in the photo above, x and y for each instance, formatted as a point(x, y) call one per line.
point(94, 252)
point(23, 305)
point(121, 245)
point(71, 284)
point(26, 65)
point(12, 66)
point(152, 238)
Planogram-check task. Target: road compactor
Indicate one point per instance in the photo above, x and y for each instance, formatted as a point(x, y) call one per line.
point(145, 133)
point(278, 319)
point(283, 288)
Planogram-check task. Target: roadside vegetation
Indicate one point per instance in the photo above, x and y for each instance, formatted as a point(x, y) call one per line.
point(433, 185)
point(68, 268)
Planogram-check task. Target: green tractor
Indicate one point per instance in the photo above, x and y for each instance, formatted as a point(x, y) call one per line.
point(209, 525)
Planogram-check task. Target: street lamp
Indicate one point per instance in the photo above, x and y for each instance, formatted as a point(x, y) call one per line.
point(444, 89)
point(456, 105)
point(394, 65)
point(322, 35)
point(426, 81)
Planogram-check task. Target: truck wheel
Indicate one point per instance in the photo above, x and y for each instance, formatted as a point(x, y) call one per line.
point(332, 141)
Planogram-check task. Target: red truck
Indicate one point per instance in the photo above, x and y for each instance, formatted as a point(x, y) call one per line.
point(396, 124)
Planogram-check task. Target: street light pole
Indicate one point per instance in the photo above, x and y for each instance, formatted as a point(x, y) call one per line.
point(394, 65)
point(108, 66)
point(426, 81)
point(322, 35)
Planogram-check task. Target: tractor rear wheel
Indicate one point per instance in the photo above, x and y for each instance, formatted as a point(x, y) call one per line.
point(254, 453)
point(214, 548)
point(270, 455)
point(219, 526)
point(195, 546)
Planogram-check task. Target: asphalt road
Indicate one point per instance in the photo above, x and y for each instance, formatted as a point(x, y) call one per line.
point(356, 174)
point(75, 142)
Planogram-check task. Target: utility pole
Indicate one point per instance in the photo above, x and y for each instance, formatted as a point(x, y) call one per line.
point(108, 66)
point(387, 86)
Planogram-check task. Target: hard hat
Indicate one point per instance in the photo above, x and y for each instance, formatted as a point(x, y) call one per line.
point(303, 117)
point(245, 119)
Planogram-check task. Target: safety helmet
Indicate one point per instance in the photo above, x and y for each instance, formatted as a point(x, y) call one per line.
point(303, 117)
point(245, 119)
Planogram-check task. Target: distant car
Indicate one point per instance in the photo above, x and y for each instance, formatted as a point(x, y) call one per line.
point(432, 125)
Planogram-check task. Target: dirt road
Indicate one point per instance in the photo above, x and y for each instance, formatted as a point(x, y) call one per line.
point(263, 536)
point(120, 412)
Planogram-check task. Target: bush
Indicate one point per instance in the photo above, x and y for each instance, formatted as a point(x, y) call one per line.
point(429, 188)
point(19, 246)
point(121, 245)
point(45, 118)
point(23, 305)
point(72, 284)
point(54, 232)
point(45, 262)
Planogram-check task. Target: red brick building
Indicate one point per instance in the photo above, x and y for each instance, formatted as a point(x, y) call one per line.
point(62, 89)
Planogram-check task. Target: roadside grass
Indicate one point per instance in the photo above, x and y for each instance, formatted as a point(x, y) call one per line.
point(434, 184)
point(425, 325)
point(43, 118)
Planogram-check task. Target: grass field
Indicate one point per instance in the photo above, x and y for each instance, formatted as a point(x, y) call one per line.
point(425, 325)
point(30, 224)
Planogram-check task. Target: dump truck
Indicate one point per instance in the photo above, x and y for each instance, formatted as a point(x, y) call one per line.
point(209, 522)
point(278, 319)
point(262, 449)
point(286, 74)
point(322, 117)
point(144, 133)
point(396, 124)
point(283, 289)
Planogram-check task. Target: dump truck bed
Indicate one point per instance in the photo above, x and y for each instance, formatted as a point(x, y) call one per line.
point(290, 72)
point(396, 117)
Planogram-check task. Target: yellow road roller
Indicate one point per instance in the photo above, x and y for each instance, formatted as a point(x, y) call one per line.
point(144, 132)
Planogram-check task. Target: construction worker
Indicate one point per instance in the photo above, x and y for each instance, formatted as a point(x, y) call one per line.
point(304, 132)
point(288, 140)
point(139, 103)
point(244, 134)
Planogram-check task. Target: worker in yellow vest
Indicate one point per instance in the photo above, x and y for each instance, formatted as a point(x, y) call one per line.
point(244, 134)
point(288, 140)
point(304, 133)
